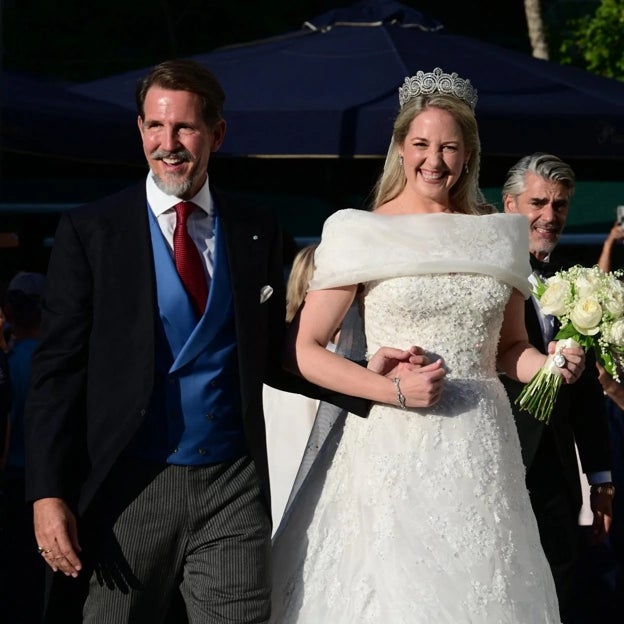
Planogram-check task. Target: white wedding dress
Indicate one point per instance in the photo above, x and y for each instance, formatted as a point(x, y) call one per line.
point(420, 515)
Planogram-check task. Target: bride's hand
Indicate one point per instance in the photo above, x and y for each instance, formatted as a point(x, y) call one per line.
point(574, 364)
point(422, 387)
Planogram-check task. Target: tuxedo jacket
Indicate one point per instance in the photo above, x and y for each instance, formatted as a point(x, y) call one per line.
point(579, 415)
point(93, 372)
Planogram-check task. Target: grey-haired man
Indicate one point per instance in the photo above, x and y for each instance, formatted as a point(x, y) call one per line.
point(540, 186)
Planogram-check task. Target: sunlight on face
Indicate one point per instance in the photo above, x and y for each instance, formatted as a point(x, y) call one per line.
point(177, 141)
point(433, 154)
point(545, 203)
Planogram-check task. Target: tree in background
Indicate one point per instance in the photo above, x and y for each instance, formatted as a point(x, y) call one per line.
point(596, 42)
point(583, 33)
point(537, 32)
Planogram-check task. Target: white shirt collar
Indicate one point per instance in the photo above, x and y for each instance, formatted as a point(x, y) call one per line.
point(160, 202)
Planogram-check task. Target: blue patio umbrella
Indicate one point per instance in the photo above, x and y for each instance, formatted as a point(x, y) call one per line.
point(42, 118)
point(330, 89)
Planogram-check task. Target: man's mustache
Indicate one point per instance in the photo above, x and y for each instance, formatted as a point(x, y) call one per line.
point(183, 155)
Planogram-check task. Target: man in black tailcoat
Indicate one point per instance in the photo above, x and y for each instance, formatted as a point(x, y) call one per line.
point(540, 186)
point(163, 315)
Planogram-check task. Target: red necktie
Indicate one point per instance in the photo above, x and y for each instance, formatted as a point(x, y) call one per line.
point(188, 260)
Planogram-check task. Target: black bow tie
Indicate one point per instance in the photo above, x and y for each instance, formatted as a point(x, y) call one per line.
point(545, 269)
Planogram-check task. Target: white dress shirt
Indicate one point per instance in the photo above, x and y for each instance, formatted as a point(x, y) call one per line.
point(200, 224)
point(547, 321)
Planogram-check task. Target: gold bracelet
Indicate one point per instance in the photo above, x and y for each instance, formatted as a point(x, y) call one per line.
point(603, 488)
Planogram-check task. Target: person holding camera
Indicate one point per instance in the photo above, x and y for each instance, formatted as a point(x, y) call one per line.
point(616, 234)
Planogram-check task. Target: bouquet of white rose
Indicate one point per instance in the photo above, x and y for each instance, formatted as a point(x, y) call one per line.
point(589, 305)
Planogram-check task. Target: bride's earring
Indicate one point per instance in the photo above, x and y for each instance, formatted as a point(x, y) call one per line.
point(401, 159)
point(466, 167)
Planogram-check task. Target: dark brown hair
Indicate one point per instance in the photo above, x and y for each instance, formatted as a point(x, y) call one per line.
point(185, 75)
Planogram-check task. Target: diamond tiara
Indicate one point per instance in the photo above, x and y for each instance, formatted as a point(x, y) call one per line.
point(437, 82)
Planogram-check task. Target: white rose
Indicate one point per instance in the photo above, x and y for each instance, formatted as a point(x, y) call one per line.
point(586, 285)
point(555, 279)
point(586, 316)
point(554, 298)
point(615, 334)
point(614, 299)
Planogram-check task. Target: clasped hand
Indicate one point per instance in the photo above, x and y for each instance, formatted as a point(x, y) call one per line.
point(421, 381)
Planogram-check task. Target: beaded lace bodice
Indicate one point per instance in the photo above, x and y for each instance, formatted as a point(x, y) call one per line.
point(458, 318)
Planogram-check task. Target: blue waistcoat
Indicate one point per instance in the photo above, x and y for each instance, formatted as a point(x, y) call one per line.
point(195, 412)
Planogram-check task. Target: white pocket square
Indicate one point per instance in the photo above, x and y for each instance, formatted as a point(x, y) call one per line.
point(265, 293)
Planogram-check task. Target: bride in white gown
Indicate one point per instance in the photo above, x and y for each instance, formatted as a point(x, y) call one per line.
point(419, 513)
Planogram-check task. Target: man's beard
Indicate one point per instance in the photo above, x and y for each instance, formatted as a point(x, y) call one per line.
point(173, 184)
point(544, 248)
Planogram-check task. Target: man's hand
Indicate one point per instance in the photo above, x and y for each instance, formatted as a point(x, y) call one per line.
point(609, 385)
point(613, 389)
point(391, 362)
point(602, 505)
point(57, 535)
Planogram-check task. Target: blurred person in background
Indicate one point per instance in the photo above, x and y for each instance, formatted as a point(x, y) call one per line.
point(288, 416)
point(615, 237)
point(22, 586)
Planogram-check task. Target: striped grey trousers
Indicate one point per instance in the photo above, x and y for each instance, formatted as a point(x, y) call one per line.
point(202, 532)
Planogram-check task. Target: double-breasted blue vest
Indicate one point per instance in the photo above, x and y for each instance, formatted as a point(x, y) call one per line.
point(195, 413)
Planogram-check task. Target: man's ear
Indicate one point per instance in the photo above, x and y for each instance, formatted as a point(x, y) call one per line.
point(218, 134)
point(509, 204)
